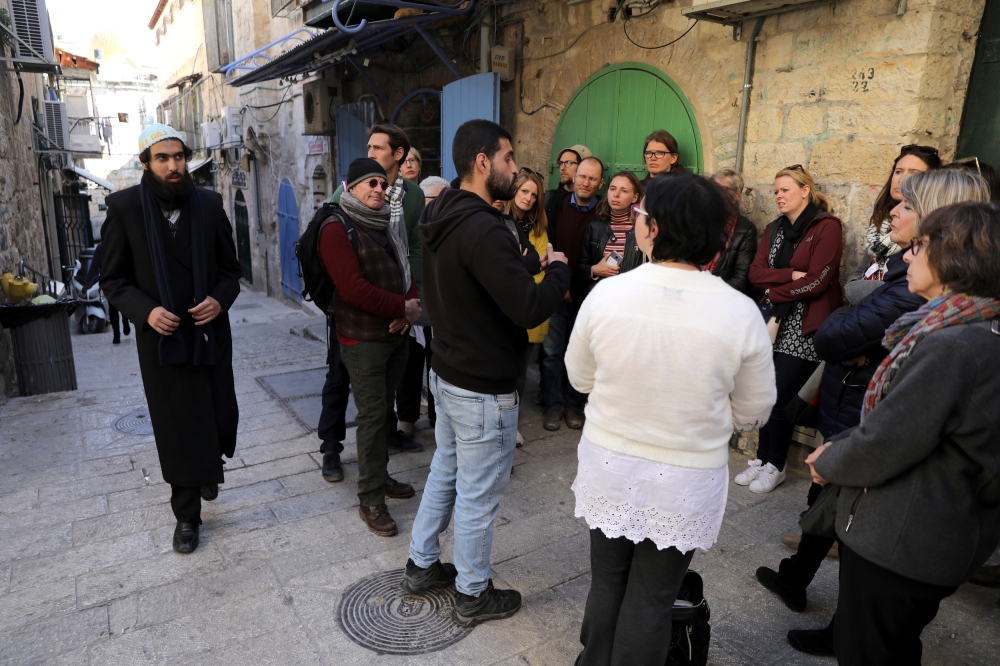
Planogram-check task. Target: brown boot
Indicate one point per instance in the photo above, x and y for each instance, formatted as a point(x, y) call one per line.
point(378, 520)
point(574, 417)
point(396, 490)
point(987, 576)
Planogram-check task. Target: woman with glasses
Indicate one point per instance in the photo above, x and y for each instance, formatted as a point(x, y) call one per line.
point(850, 341)
point(919, 504)
point(733, 263)
point(798, 266)
point(652, 476)
point(879, 248)
point(661, 154)
point(411, 166)
point(604, 244)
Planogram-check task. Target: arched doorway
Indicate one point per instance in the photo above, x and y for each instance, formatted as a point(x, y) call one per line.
point(241, 217)
point(616, 109)
point(288, 230)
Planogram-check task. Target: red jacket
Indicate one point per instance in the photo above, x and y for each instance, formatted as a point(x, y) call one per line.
point(818, 255)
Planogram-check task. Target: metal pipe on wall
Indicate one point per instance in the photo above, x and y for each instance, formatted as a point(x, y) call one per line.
point(747, 87)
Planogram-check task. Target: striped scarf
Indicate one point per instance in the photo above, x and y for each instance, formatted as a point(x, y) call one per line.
point(394, 195)
point(881, 248)
point(948, 309)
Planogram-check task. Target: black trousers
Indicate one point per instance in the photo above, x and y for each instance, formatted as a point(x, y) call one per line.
point(790, 374)
point(418, 365)
point(632, 591)
point(186, 503)
point(332, 428)
point(881, 614)
point(113, 315)
point(800, 569)
point(522, 372)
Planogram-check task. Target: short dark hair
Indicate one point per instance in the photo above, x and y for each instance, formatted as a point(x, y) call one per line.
point(472, 138)
point(397, 139)
point(568, 150)
point(668, 140)
point(691, 213)
point(147, 154)
point(963, 247)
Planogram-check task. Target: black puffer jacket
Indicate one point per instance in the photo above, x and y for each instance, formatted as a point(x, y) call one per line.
point(851, 332)
point(594, 241)
point(734, 264)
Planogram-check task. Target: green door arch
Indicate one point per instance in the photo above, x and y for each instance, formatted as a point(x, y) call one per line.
point(616, 108)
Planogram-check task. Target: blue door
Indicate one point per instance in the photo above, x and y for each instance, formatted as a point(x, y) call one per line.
point(352, 138)
point(288, 230)
point(466, 99)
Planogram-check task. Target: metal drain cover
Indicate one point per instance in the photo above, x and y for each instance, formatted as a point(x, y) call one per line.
point(135, 423)
point(376, 614)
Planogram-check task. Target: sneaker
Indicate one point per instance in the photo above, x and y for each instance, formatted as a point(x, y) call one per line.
point(574, 417)
point(417, 580)
point(813, 641)
point(747, 476)
point(378, 520)
point(519, 442)
point(491, 604)
point(552, 418)
point(332, 471)
point(770, 477)
point(400, 441)
point(795, 599)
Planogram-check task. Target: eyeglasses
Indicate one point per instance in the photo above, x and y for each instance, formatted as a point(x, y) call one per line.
point(795, 167)
point(972, 160)
point(635, 212)
point(658, 154)
point(411, 161)
point(587, 179)
point(378, 183)
point(531, 171)
point(916, 148)
point(567, 163)
point(916, 244)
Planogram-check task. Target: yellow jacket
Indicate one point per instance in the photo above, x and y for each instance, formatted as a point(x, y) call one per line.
point(537, 335)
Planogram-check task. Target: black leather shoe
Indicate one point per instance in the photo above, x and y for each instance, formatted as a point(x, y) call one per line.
point(125, 327)
point(210, 492)
point(417, 580)
point(795, 599)
point(400, 441)
point(185, 537)
point(116, 340)
point(332, 471)
point(812, 641)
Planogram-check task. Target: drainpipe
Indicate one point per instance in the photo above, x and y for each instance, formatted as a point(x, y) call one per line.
point(747, 86)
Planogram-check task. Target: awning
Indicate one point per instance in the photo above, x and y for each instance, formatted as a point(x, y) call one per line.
point(197, 164)
point(106, 184)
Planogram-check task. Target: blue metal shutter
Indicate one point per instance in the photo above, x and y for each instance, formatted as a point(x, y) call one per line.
point(466, 99)
point(288, 234)
point(352, 140)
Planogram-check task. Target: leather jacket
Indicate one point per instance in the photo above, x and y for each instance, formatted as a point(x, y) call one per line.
point(734, 264)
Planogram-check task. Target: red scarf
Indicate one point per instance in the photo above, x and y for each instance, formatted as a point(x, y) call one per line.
point(730, 231)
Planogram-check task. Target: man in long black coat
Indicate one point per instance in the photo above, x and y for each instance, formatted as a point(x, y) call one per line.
point(170, 266)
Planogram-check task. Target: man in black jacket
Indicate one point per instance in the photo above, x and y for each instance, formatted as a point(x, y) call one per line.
point(169, 265)
point(567, 161)
point(481, 300)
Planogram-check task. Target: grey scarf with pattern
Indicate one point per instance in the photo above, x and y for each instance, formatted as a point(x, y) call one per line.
point(379, 220)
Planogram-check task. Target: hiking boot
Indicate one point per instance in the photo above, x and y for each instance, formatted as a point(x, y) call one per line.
point(574, 417)
point(813, 641)
point(332, 471)
point(795, 599)
point(417, 580)
point(770, 477)
point(378, 520)
point(400, 441)
point(552, 418)
point(987, 576)
point(491, 604)
point(749, 475)
point(791, 542)
point(396, 490)
point(210, 492)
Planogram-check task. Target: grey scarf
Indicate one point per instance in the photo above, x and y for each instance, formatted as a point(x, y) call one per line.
point(378, 220)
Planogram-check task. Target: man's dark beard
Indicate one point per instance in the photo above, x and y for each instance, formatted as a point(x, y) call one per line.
point(498, 187)
point(169, 195)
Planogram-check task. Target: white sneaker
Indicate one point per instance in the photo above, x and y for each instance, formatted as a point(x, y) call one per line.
point(769, 479)
point(520, 439)
point(747, 476)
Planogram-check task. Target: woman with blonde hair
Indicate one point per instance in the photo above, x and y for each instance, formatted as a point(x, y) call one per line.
point(411, 166)
point(798, 266)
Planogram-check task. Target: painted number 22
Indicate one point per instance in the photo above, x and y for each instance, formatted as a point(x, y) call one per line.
point(860, 79)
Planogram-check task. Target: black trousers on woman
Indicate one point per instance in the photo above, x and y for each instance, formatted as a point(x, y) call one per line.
point(632, 592)
point(790, 373)
point(799, 570)
point(881, 614)
point(418, 364)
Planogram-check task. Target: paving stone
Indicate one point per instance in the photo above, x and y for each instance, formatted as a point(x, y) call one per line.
point(18, 501)
point(88, 488)
point(134, 647)
point(270, 470)
point(121, 523)
point(40, 601)
point(50, 637)
point(314, 504)
point(281, 433)
point(288, 646)
point(249, 423)
point(277, 450)
point(81, 560)
point(549, 566)
point(26, 543)
point(123, 615)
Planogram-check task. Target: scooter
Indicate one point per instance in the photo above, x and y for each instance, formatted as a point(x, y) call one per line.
point(92, 312)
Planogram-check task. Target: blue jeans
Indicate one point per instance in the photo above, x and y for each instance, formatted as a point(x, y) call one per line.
point(475, 436)
point(555, 385)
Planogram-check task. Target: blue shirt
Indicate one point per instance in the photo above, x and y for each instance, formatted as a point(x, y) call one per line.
point(582, 209)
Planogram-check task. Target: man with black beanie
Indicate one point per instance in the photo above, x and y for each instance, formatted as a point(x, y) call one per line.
point(482, 300)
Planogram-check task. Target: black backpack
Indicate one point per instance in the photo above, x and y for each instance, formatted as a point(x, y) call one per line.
point(317, 286)
point(691, 630)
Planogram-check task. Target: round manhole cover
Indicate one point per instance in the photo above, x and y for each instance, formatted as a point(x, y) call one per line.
point(135, 423)
point(376, 614)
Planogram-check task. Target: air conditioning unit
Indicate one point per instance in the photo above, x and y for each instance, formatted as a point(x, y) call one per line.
point(320, 99)
point(56, 125)
point(211, 135)
point(33, 46)
point(232, 127)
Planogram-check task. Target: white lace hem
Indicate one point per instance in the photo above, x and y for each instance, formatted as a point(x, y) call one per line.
point(629, 497)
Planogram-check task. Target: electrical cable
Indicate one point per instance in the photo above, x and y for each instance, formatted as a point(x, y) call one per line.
point(20, 98)
point(653, 48)
point(572, 44)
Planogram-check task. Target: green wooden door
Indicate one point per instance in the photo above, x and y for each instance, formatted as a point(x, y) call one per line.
point(980, 133)
point(616, 109)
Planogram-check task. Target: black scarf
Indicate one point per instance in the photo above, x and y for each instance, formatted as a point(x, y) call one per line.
point(786, 239)
point(173, 350)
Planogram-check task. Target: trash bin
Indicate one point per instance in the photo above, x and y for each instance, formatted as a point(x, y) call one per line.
point(43, 351)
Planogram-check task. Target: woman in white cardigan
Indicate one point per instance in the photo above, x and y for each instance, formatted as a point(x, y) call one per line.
point(673, 359)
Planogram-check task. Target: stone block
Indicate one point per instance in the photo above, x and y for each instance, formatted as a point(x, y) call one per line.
point(763, 160)
point(246, 440)
point(123, 615)
point(57, 514)
point(33, 604)
point(31, 542)
point(876, 81)
point(122, 523)
point(270, 470)
point(277, 450)
point(841, 160)
point(798, 86)
point(550, 566)
point(886, 119)
point(764, 123)
point(775, 52)
point(45, 640)
point(81, 560)
point(134, 647)
point(85, 488)
point(804, 121)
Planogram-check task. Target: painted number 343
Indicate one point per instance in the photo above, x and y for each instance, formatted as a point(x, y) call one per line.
point(860, 79)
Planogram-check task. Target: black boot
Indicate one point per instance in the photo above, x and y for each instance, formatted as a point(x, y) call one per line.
point(813, 641)
point(417, 580)
point(332, 471)
point(400, 441)
point(185, 537)
point(209, 493)
point(794, 597)
point(125, 329)
point(491, 604)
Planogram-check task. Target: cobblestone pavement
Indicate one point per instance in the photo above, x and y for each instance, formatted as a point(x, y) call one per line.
point(87, 574)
